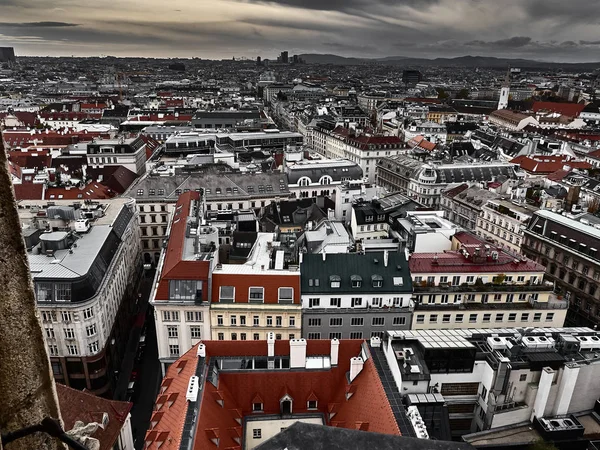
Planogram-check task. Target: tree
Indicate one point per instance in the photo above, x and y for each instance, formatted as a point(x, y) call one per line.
point(442, 94)
point(594, 206)
point(463, 94)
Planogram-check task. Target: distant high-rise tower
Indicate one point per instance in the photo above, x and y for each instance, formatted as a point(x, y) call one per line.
point(7, 54)
point(505, 92)
point(258, 61)
point(284, 57)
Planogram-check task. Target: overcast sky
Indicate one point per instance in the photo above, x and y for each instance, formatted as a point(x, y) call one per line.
point(553, 30)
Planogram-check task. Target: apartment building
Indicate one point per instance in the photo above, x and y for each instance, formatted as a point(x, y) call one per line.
point(568, 247)
point(463, 205)
point(425, 183)
point(181, 291)
point(502, 222)
point(477, 285)
point(354, 295)
point(259, 296)
point(85, 264)
point(223, 190)
point(363, 149)
point(129, 153)
point(497, 378)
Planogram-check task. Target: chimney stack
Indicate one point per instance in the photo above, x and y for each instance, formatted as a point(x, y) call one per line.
point(201, 351)
point(356, 367)
point(324, 255)
point(270, 344)
point(375, 342)
point(335, 351)
point(385, 258)
point(297, 353)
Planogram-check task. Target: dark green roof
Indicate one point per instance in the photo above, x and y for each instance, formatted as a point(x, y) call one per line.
point(317, 274)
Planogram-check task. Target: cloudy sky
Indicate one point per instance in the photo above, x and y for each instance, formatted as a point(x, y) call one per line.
point(553, 30)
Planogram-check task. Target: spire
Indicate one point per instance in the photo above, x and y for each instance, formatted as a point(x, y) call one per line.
point(507, 78)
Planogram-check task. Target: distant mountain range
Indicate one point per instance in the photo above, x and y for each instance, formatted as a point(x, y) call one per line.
point(461, 61)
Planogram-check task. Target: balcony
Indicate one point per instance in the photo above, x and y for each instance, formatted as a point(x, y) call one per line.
point(443, 288)
point(553, 303)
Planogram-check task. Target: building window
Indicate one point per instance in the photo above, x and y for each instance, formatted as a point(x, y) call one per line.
point(433, 318)
point(487, 318)
point(172, 332)
point(91, 330)
point(72, 349)
point(256, 432)
point(220, 320)
point(256, 321)
point(335, 302)
point(549, 317)
point(234, 336)
point(314, 302)
point(335, 322)
point(335, 281)
point(378, 321)
point(221, 336)
point(512, 317)
point(472, 318)
point(49, 316)
point(524, 317)
point(257, 407)
point(53, 350)
point(356, 321)
point(311, 404)
point(335, 335)
point(420, 318)
point(269, 321)
point(196, 332)
point(314, 335)
point(314, 322)
point(185, 289)
point(66, 316)
point(356, 335)
point(93, 347)
point(356, 301)
point(459, 318)
point(233, 321)
point(242, 336)
point(292, 321)
point(193, 316)
point(256, 295)
point(242, 321)
point(446, 318)
point(286, 295)
point(523, 377)
point(499, 317)
point(537, 317)
point(356, 281)
point(174, 350)
point(278, 321)
point(227, 294)
point(69, 333)
point(170, 316)
point(88, 313)
point(256, 336)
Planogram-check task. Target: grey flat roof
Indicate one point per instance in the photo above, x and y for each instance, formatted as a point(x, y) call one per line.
point(67, 265)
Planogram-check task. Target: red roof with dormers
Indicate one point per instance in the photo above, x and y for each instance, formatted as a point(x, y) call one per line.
point(69, 116)
point(31, 160)
point(174, 266)
point(91, 191)
point(222, 408)
point(566, 109)
point(270, 281)
point(541, 164)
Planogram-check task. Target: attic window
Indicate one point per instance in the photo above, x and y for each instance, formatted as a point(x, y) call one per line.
point(335, 281)
point(356, 281)
point(311, 404)
point(257, 407)
point(377, 280)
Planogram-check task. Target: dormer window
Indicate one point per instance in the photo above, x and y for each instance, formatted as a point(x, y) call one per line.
point(356, 281)
point(257, 407)
point(335, 281)
point(377, 281)
point(368, 218)
point(311, 404)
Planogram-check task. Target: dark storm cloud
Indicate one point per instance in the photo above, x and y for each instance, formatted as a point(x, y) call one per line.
point(342, 5)
point(37, 24)
point(513, 42)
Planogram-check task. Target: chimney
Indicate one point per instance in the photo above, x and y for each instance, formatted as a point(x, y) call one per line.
point(385, 258)
point(356, 366)
point(270, 344)
point(335, 351)
point(297, 353)
point(375, 342)
point(541, 398)
point(201, 351)
point(324, 255)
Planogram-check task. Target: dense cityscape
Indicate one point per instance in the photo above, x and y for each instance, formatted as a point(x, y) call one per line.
point(312, 251)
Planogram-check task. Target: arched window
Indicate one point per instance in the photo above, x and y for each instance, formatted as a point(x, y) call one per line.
point(325, 179)
point(304, 181)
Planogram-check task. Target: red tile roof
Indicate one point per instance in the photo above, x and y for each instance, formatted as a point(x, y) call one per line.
point(29, 191)
point(31, 160)
point(92, 191)
point(222, 408)
point(242, 283)
point(78, 405)
point(174, 266)
point(540, 164)
point(567, 109)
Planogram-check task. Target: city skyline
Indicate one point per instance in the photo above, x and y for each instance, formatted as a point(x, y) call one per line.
point(534, 29)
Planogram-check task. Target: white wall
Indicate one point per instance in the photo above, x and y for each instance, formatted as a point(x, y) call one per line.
point(271, 427)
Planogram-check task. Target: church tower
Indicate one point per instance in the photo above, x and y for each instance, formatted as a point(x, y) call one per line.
point(505, 91)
